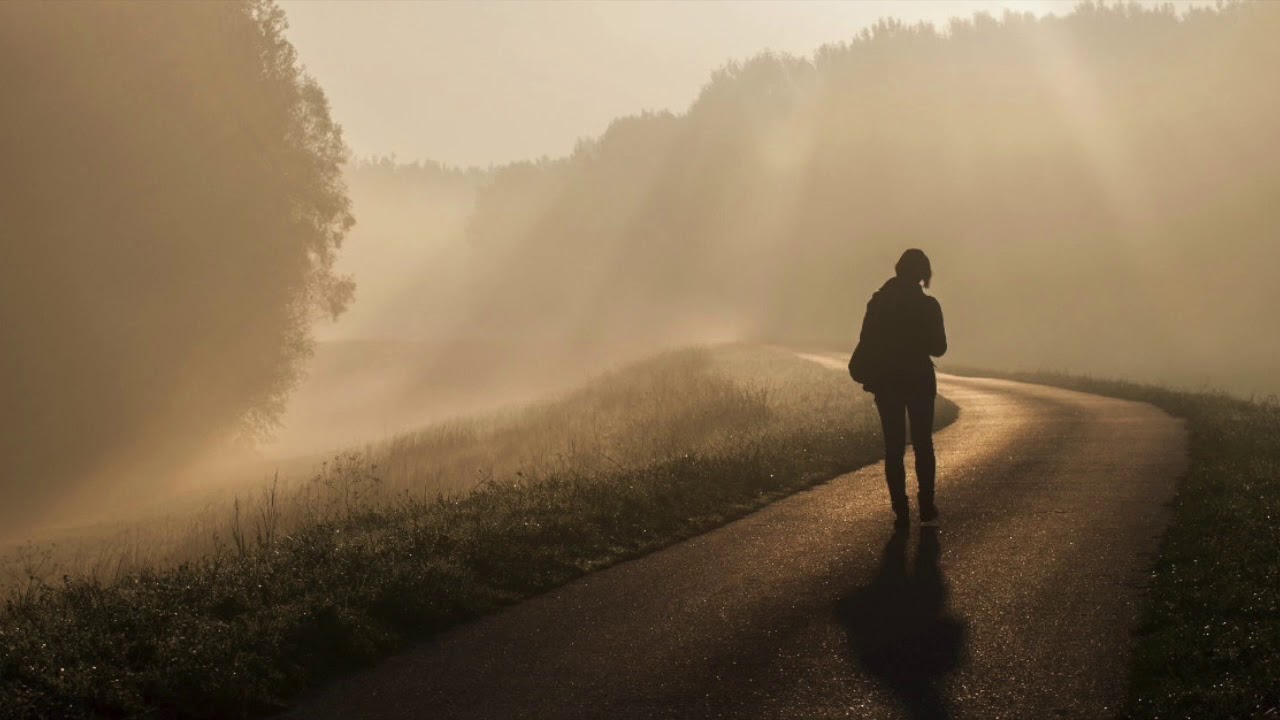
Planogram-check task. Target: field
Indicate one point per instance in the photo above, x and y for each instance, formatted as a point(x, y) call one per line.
point(653, 409)
point(280, 589)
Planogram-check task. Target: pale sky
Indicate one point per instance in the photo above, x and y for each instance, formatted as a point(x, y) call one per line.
point(475, 83)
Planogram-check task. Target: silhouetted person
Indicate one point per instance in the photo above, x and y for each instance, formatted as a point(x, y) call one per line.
point(901, 330)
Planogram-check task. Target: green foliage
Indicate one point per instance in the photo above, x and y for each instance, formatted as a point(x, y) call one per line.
point(242, 630)
point(172, 200)
point(1209, 638)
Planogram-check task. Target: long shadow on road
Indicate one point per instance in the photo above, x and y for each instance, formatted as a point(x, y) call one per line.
point(900, 630)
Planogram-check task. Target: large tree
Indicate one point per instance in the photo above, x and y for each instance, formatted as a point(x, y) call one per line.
point(171, 202)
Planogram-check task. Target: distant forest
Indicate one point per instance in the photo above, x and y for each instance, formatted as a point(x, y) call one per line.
point(1098, 193)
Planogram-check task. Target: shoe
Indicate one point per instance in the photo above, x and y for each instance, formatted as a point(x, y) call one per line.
point(928, 515)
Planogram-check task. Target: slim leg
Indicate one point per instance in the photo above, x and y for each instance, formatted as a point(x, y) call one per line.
point(893, 422)
point(920, 410)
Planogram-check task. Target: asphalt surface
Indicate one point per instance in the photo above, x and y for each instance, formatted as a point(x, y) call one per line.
point(1021, 605)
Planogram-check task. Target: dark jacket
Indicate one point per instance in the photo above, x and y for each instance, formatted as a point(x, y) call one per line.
point(903, 328)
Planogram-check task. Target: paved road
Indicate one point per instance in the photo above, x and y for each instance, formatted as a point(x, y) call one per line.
point(1021, 606)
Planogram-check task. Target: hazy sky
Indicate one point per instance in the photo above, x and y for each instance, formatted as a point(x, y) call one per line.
point(490, 82)
point(474, 83)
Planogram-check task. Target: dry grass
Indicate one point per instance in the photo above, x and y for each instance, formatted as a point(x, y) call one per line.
point(296, 581)
point(648, 411)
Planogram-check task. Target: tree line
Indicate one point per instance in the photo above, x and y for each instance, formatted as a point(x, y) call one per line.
point(1096, 191)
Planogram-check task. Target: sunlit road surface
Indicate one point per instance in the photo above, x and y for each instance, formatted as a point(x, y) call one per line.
point(1021, 606)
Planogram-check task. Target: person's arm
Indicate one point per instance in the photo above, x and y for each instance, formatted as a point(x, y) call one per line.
point(937, 334)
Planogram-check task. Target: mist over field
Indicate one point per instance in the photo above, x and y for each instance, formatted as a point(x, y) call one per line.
point(183, 223)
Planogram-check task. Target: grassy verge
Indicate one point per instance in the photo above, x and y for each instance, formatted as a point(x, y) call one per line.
point(340, 571)
point(1209, 644)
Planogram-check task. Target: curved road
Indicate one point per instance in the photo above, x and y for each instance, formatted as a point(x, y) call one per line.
point(1021, 606)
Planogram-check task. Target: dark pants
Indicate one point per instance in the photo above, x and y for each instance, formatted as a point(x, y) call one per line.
point(895, 407)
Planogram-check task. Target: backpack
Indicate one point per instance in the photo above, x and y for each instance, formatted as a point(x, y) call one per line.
point(864, 365)
point(871, 360)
